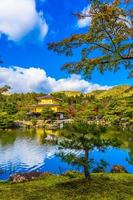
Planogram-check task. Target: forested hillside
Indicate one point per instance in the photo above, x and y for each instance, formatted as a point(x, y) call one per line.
point(113, 106)
point(15, 107)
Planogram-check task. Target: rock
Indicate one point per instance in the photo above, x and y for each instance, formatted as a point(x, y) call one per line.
point(51, 137)
point(18, 178)
point(118, 169)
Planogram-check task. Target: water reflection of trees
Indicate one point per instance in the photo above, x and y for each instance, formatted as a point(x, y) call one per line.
point(41, 134)
point(8, 137)
point(125, 138)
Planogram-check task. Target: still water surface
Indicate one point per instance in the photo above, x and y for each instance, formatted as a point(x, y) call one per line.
point(25, 151)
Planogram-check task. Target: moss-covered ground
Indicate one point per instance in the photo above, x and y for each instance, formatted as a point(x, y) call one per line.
point(51, 187)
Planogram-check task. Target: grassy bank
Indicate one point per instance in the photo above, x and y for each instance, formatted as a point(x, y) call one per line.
point(102, 187)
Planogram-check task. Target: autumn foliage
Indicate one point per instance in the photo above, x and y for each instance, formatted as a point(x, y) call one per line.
point(106, 45)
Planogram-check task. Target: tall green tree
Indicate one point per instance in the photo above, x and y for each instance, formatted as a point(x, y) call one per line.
point(80, 135)
point(6, 121)
point(108, 43)
point(47, 113)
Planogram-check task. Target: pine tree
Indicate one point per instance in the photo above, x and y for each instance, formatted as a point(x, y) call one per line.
point(106, 45)
point(81, 136)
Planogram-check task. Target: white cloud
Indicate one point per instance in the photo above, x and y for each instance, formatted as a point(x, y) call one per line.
point(35, 79)
point(42, 25)
point(20, 17)
point(83, 22)
point(30, 155)
point(75, 82)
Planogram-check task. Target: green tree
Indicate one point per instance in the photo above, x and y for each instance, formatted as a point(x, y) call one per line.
point(80, 135)
point(6, 121)
point(47, 113)
point(10, 108)
point(106, 45)
point(21, 115)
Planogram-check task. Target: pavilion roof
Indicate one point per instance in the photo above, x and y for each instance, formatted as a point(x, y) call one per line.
point(48, 97)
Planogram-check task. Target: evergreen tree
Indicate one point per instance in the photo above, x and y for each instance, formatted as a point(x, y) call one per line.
point(6, 121)
point(108, 42)
point(80, 135)
point(47, 113)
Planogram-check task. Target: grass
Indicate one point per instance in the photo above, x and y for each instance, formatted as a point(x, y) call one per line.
point(50, 187)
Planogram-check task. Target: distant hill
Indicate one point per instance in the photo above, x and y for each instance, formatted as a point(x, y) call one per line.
point(99, 94)
point(115, 92)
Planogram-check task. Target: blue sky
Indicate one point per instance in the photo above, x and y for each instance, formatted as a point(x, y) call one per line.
point(26, 27)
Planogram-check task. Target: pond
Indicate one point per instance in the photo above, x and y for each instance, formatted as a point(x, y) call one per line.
point(25, 151)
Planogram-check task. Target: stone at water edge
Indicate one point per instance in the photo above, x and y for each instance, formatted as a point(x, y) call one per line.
point(18, 178)
point(118, 169)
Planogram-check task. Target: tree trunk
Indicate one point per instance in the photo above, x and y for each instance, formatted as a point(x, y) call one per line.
point(86, 167)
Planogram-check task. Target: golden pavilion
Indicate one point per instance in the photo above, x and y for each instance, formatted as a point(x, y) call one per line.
point(48, 101)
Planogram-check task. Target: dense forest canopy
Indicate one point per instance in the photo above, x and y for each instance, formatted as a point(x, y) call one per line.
point(112, 106)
